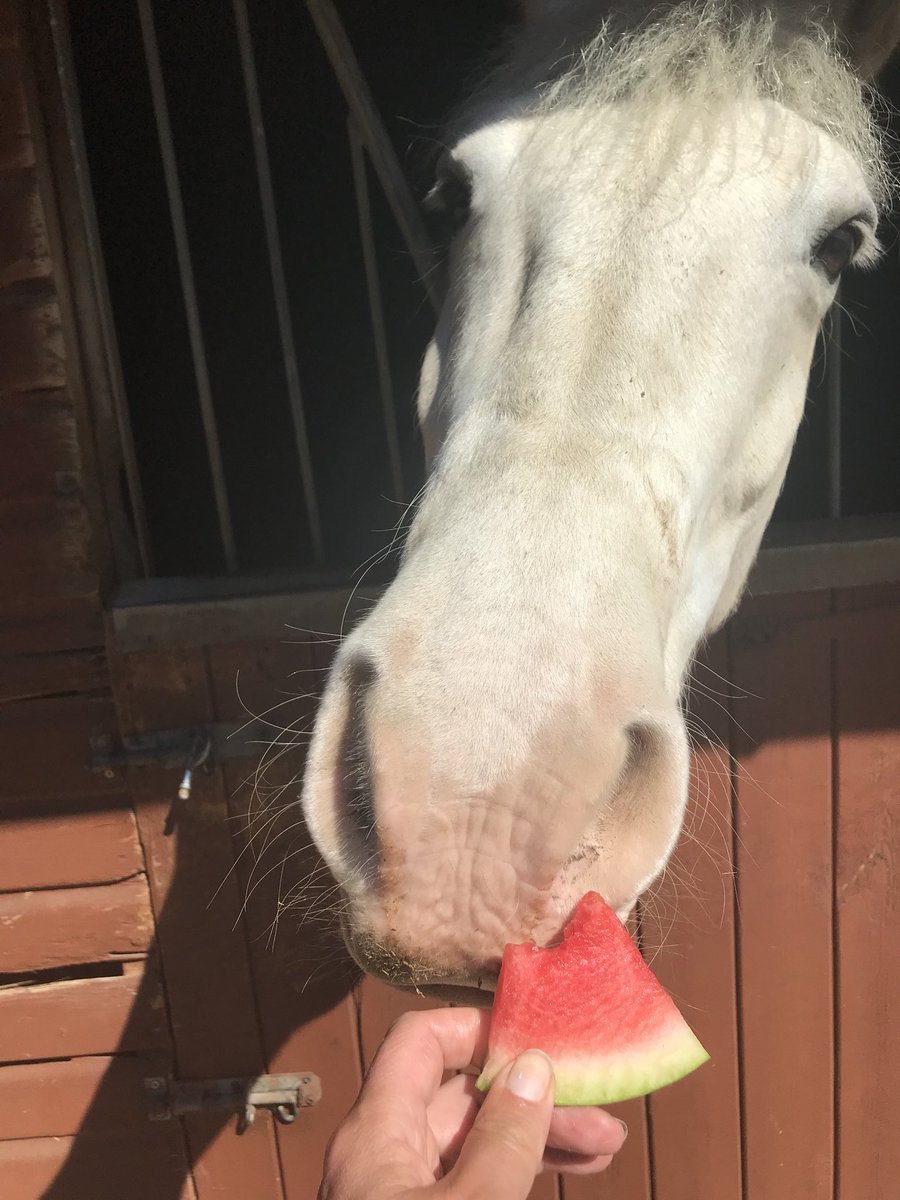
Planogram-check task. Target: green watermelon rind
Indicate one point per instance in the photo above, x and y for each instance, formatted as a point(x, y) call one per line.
point(586, 1079)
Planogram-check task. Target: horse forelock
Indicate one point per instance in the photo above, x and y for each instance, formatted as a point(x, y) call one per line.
point(698, 56)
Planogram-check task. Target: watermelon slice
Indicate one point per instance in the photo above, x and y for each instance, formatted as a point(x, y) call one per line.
point(595, 1008)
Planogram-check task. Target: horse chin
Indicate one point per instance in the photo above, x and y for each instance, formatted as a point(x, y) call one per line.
point(420, 978)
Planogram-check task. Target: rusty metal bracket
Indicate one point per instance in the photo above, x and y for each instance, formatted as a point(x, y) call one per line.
point(283, 1095)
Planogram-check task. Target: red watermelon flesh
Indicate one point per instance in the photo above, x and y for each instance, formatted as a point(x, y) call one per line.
point(595, 1008)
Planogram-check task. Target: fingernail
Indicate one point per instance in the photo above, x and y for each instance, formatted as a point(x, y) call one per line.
point(531, 1075)
point(624, 1127)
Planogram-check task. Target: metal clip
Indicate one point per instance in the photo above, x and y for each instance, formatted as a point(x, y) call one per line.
point(199, 754)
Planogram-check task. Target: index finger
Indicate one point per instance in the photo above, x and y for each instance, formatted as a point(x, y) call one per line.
point(419, 1048)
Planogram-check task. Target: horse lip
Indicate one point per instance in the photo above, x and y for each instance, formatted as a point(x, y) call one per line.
point(434, 984)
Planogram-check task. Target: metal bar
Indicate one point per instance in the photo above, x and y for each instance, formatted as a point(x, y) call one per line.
point(188, 285)
point(276, 268)
point(833, 383)
point(115, 383)
point(381, 151)
point(376, 310)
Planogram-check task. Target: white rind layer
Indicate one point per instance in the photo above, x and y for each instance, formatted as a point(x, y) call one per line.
point(605, 1079)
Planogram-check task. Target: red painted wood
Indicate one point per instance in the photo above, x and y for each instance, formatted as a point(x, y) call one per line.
point(56, 849)
point(628, 1176)
point(45, 750)
point(149, 1166)
point(688, 937)
point(197, 903)
point(302, 974)
point(785, 888)
point(83, 1016)
point(96, 924)
point(867, 897)
point(46, 1099)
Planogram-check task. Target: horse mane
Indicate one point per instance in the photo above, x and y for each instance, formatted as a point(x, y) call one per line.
point(702, 55)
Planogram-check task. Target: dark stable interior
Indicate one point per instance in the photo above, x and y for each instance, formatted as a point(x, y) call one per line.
point(418, 59)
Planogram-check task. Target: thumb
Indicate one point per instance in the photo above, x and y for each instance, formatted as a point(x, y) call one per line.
point(503, 1151)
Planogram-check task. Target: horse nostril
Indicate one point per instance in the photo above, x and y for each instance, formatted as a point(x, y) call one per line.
point(354, 774)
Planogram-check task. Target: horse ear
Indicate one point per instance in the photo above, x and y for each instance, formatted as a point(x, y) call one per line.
point(872, 31)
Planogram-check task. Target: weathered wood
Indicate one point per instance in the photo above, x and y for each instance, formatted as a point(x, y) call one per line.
point(33, 676)
point(45, 750)
point(45, 545)
point(784, 859)
point(688, 936)
point(302, 972)
point(40, 449)
point(52, 849)
point(148, 1166)
point(201, 940)
point(16, 149)
point(867, 911)
point(24, 248)
point(31, 337)
point(54, 1099)
point(83, 1016)
point(39, 930)
point(50, 624)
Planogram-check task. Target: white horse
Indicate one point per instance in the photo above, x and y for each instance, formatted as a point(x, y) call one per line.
point(652, 217)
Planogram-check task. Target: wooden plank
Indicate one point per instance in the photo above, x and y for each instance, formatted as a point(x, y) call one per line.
point(34, 676)
point(46, 548)
point(867, 895)
point(303, 975)
point(50, 624)
point(31, 336)
point(16, 146)
point(198, 905)
point(52, 849)
point(95, 924)
point(83, 1016)
point(95, 1094)
point(688, 937)
point(41, 457)
point(146, 1166)
point(628, 1176)
point(45, 750)
point(784, 859)
point(24, 246)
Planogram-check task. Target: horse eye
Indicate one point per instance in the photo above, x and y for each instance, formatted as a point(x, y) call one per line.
point(838, 249)
point(447, 204)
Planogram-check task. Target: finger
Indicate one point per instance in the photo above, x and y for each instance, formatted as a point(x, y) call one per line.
point(503, 1151)
point(451, 1115)
point(586, 1131)
point(407, 1070)
point(575, 1164)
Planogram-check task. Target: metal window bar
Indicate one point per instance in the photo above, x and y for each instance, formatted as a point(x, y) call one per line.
point(376, 309)
point(378, 145)
point(115, 381)
point(276, 269)
point(188, 285)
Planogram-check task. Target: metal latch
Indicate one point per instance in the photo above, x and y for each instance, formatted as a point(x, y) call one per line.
point(173, 747)
point(283, 1095)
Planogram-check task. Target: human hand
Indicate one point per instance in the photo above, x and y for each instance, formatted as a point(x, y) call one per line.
point(410, 1137)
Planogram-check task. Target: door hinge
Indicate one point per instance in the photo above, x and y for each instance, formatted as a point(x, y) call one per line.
point(283, 1095)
